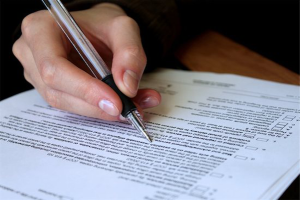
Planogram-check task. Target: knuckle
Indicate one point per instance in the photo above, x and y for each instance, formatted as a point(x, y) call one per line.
point(27, 23)
point(30, 20)
point(52, 98)
point(135, 52)
point(17, 49)
point(47, 71)
point(143, 58)
point(27, 77)
point(90, 92)
point(132, 50)
point(125, 21)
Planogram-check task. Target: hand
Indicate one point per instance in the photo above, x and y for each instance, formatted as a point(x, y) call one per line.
point(55, 69)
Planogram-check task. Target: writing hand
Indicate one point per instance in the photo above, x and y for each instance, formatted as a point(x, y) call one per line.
point(55, 69)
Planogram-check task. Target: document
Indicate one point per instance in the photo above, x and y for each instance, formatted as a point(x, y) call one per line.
point(215, 136)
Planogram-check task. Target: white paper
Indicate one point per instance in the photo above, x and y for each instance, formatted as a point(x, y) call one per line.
point(214, 137)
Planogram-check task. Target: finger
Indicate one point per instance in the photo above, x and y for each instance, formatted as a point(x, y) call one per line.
point(23, 54)
point(75, 105)
point(60, 74)
point(147, 98)
point(54, 97)
point(129, 59)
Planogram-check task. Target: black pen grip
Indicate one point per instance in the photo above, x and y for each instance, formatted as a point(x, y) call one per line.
point(128, 105)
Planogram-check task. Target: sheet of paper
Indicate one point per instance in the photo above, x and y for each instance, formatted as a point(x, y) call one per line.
point(215, 137)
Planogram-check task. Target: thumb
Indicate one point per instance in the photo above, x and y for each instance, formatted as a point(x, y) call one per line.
point(129, 59)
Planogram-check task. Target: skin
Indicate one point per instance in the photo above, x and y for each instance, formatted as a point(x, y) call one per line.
point(55, 69)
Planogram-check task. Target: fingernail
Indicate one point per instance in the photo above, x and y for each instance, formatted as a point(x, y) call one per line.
point(122, 118)
point(109, 107)
point(149, 102)
point(131, 81)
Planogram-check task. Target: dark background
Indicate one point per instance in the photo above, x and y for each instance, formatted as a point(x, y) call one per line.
point(268, 27)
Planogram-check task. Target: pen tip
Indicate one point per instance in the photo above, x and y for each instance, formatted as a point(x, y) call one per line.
point(147, 136)
point(137, 122)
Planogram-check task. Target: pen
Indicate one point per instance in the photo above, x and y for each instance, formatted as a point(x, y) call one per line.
point(93, 60)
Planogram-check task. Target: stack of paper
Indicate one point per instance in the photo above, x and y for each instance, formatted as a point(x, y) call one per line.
point(214, 137)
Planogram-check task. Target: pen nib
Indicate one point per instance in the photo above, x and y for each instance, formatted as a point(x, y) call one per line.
point(136, 122)
point(146, 135)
